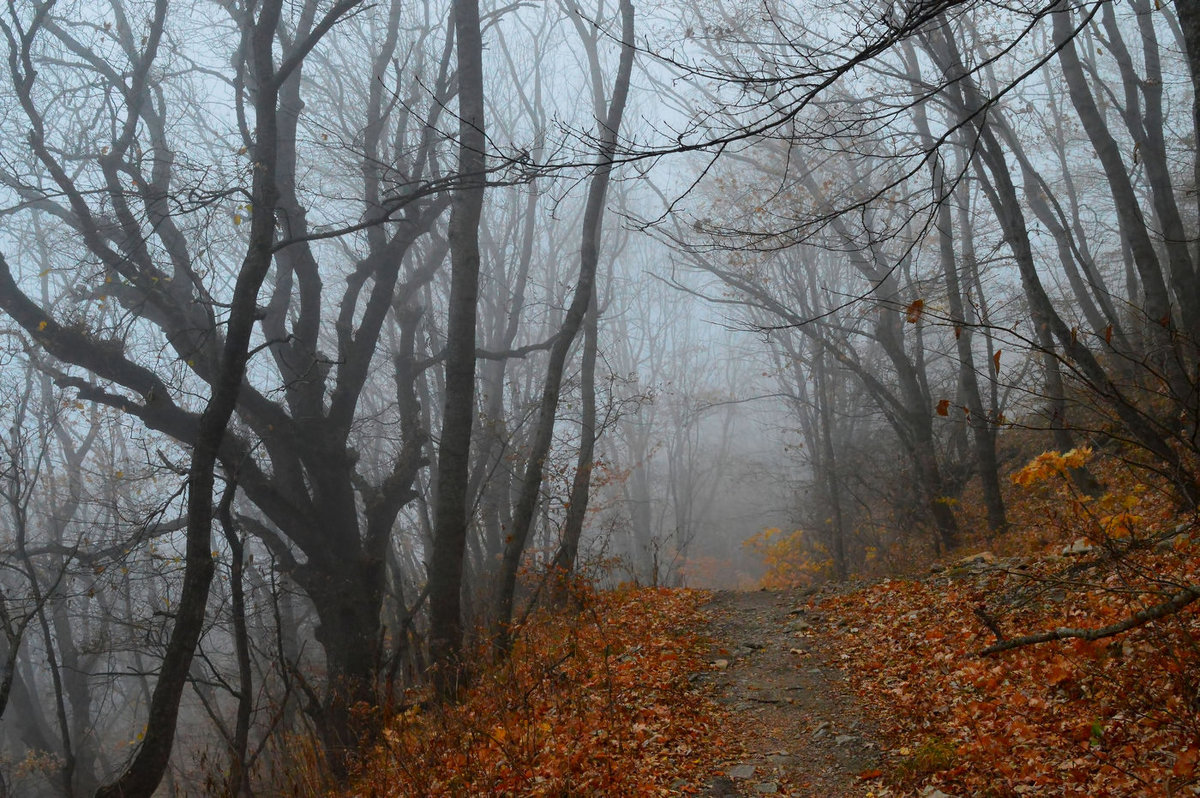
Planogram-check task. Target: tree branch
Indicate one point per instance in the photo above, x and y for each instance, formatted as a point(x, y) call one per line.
point(1177, 602)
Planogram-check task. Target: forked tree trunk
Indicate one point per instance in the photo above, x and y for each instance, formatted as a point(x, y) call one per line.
point(977, 417)
point(589, 256)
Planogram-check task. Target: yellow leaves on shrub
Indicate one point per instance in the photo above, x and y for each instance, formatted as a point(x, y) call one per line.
point(791, 559)
point(1127, 510)
point(1120, 525)
point(1051, 464)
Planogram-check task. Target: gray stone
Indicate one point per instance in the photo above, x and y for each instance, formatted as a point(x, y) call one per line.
point(721, 787)
point(1080, 546)
point(1181, 538)
point(766, 788)
point(741, 771)
point(978, 561)
point(764, 695)
point(1055, 596)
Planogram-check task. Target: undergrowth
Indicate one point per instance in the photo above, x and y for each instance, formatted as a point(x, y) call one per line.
point(595, 703)
point(1118, 716)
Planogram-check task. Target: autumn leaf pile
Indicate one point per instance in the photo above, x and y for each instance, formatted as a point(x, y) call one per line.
point(1118, 716)
point(594, 703)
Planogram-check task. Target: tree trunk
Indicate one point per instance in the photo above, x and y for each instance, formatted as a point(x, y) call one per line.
point(1049, 325)
point(1189, 22)
point(1002, 195)
point(237, 782)
point(1160, 318)
point(454, 450)
point(143, 775)
point(577, 505)
point(589, 256)
point(977, 417)
point(982, 429)
point(837, 531)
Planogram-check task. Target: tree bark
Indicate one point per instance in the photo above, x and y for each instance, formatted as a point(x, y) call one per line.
point(143, 775)
point(454, 449)
point(577, 505)
point(977, 418)
point(1189, 22)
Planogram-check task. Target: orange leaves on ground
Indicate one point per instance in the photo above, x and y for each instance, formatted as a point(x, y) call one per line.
point(1058, 672)
point(1112, 717)
point(1185, 763)
point(595, 703)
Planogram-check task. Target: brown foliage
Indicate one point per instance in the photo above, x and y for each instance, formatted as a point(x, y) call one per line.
point(1111, 717)
point(598, 703)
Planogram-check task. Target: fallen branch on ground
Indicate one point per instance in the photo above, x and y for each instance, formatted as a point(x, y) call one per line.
point(1173, 605)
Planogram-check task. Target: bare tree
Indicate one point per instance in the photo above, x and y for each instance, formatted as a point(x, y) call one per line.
point(609, 126)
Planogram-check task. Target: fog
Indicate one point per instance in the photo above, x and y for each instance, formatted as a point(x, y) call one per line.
point(336, 337)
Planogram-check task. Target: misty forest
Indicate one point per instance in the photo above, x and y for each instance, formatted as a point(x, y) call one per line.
point(599, 398)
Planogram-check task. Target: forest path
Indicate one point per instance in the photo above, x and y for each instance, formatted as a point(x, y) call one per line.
point(794, 727)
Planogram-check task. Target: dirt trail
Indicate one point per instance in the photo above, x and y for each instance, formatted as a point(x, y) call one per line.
point(795, 729)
